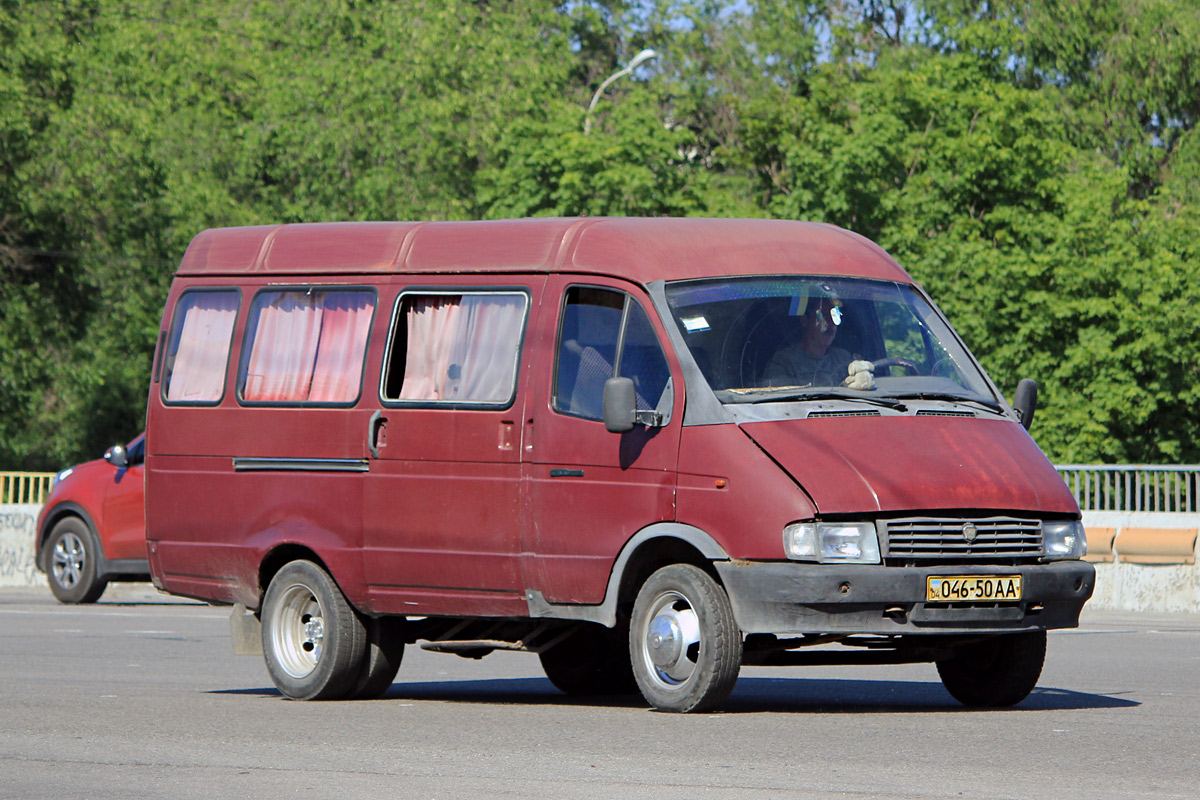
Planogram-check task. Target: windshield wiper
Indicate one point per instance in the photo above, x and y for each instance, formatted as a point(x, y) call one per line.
point(832, 395)
point(953, 398)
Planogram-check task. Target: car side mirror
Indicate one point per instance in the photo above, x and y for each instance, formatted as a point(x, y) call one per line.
point(116, 456)
point(1025, 401)
point(620, 405)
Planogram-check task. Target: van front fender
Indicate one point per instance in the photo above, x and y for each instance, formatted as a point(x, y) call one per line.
point(606, 612)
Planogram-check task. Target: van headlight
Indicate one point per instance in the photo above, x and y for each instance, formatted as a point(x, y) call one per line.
point(1063, 540)
point(62, 476)
point(832, 542)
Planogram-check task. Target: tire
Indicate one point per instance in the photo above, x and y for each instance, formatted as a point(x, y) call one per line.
point(313, 641)
point(72, 558)
point(381, 662)
point(997, 672)
point(592, 660)
point(685, 646)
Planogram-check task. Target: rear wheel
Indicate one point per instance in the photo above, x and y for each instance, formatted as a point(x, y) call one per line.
point(381, 662)
point(996, 672)
point(592, 660)
point(313, 641)
point(72, 563)
point(686, 646)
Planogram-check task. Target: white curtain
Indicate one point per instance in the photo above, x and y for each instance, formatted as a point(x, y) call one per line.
point(202, 354)
point(462, 348)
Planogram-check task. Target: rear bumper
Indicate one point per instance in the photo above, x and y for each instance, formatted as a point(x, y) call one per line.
point(792, 598)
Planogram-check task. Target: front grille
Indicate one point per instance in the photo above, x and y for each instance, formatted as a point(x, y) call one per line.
point(995, 539)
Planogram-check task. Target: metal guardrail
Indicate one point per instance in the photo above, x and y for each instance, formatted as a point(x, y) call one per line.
point(1134, 487)
point(25, 487)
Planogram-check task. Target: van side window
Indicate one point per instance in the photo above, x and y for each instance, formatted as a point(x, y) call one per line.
point(306, 346)
point(198, 347)
point(605, 333)
point(455, 348)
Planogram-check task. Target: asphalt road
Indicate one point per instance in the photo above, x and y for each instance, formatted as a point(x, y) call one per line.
point(140, 696)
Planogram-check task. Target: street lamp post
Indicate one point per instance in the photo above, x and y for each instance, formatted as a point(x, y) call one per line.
point(633, 64)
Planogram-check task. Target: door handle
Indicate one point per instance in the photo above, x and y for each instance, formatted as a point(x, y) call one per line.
point(378, 420)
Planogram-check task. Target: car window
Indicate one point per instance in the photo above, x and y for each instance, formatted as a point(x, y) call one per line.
point(605, 333)
point(306, 346)
point(461, 348)
point(135, 453)
point(197, 353)
point(758, 337)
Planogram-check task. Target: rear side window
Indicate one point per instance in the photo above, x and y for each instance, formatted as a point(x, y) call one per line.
point(198, 347)
point(461, 349)
point(306, 346)
point(606, 334)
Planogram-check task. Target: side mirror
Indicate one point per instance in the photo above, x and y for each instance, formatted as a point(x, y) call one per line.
point(1025, 401)
point(620, 405)
point(116, 456)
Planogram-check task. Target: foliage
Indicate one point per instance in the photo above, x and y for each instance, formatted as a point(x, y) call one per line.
point(1034, 163)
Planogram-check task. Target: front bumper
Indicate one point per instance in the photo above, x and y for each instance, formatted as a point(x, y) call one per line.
point(793, 598)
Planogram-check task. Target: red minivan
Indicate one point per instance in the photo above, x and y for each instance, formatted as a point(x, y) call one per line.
point(648, 450)
point(92, 527)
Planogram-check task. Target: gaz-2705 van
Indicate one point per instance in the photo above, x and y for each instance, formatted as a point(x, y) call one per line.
point(648, 450)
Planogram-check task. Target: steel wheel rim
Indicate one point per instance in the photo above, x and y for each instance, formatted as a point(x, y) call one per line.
point(670, 639)
point(67, 560)
point(298, 632)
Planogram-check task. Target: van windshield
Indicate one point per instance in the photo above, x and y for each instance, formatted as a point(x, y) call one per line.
point(763, 339)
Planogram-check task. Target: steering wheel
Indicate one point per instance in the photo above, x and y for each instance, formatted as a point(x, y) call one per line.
point(888, 363)
point(944, 368)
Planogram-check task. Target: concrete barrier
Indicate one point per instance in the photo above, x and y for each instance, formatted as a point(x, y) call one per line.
point(1145, 561)
point(17, 532)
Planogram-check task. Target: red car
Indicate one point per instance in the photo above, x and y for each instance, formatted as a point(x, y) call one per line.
point(92, 529)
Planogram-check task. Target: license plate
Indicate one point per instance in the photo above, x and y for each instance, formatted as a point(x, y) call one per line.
point(973, 589)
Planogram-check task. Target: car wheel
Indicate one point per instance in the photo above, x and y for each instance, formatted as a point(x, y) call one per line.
point(591, 660)
point(685, 644)
point(385, 649)
point(313, 641)
point(71, 563)
point(996, 672)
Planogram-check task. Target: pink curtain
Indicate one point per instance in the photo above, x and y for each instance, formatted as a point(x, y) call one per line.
point(462, 348)
point(345, 325)
point(308, 347)
point(284, 349)
point(202, 354)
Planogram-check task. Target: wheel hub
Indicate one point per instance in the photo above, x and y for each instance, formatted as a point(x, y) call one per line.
point(67, 561)
point(298, 631)
point(663, 641)
point(671, 639)
point(314, 632)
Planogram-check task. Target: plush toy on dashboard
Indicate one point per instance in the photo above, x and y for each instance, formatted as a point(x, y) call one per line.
point(862, 375)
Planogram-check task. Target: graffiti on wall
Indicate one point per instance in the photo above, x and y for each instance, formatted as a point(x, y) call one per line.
point(18, 525)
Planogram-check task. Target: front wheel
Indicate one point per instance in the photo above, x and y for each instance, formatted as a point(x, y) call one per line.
point(313, 641)
point(996, 672)
point(72, 563)
point(686, 646)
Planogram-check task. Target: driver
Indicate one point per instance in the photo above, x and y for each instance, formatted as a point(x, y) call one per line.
point(812, 360)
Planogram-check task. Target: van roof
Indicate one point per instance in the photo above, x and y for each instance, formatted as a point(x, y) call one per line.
point(643, 250)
